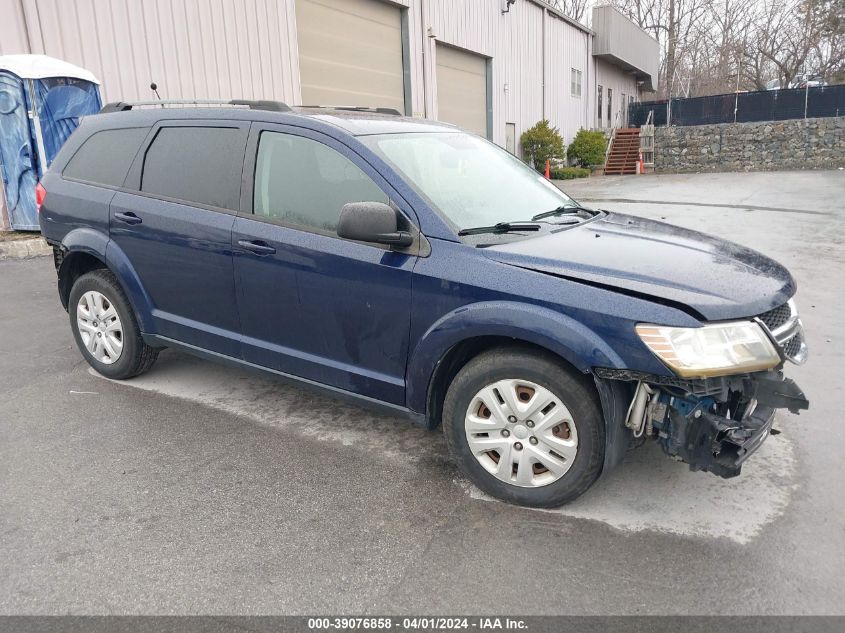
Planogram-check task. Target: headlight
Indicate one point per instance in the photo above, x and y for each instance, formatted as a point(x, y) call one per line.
point(711, 350)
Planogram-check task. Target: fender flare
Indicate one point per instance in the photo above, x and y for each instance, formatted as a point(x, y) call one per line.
point(99, 245)
point(81, 240)
point(551, 330)
point(85, 240)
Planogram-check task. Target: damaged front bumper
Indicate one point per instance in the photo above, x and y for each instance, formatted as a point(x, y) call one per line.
point(713, 424)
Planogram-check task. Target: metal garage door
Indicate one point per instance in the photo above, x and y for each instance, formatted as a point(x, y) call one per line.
point(350, 53)
point(462, 89)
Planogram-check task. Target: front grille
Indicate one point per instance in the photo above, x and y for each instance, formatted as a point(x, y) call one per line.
point(785, 328)
point(776, 317)
point(793, 345)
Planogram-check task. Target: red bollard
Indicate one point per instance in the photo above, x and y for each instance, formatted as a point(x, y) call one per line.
point(548, 169)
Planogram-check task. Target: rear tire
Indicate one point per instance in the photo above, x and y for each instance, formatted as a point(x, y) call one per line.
point(524, 427)
point(105, 328)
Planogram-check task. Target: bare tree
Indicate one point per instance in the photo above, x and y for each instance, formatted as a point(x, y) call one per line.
point(827, 56)
point(717, 46)
point(672, 23)
point(575, 9)
point(795, 37)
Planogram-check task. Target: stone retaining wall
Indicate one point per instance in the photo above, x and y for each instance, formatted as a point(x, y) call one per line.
point(758, 146)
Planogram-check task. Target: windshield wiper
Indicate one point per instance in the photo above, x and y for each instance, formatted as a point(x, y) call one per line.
point(501, 227)
point(561, 210)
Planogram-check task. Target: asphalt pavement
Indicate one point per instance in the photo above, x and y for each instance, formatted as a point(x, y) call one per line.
point(198, 488)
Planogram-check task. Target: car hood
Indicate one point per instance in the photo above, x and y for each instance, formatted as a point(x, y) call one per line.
point(714, 278)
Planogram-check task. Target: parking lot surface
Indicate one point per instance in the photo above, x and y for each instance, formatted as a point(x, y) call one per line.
point(198, 488)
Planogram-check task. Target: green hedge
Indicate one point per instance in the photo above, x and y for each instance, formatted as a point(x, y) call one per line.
point(542, 142)
point(568, 173)
point(587, 148)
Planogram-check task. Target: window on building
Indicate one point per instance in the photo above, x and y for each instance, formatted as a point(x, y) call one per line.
point(610, 107)
point(599, 99)
point(106, 156)
point(195, 164)
point(575, 79)
point(510, 138)
point(302, 182)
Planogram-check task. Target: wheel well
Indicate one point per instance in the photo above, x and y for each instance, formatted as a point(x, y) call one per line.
point(459, 355)
point(73, 266)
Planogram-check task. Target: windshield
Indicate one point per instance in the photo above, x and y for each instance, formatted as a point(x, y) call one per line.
point(470, 181)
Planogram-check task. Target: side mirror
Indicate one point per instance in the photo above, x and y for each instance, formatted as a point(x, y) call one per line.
point(372, 222)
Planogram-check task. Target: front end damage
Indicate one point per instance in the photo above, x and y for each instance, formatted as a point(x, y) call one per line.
point(712, 424)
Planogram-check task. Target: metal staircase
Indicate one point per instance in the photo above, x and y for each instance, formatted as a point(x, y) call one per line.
point(624, 151)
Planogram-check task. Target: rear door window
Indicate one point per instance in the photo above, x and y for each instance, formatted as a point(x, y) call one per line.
point(105, 157)
point(305, 183)
point(199, 165)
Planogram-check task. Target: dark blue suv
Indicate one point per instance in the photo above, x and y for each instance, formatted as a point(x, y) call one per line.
point(409, 265)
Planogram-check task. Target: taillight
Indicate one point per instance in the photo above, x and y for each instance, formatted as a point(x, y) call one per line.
point(40, 192)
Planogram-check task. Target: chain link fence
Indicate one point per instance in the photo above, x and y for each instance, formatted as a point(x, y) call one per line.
point(741, 107)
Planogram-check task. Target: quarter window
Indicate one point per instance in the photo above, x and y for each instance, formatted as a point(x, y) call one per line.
point(302, 182)
point(196, 164)
point(106, 156)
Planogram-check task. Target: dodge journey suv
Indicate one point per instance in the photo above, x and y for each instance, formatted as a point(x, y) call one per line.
point(408, 265)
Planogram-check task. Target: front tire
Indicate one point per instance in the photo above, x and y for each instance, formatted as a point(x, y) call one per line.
point(105, 327)
point(525, 428)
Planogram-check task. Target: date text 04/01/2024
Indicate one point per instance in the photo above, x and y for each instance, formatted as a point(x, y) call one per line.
point(412, 623)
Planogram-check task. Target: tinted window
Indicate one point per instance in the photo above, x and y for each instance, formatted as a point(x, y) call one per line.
point(195, 164)
point(303, 182)
point(106, 156)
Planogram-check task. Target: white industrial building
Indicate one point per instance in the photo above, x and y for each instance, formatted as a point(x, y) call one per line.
point(491, 66)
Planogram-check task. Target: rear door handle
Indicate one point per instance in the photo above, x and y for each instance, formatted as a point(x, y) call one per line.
point(127, 218)
point(256, 246)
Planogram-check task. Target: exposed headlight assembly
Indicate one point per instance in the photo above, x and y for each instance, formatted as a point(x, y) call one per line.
point(718, 349)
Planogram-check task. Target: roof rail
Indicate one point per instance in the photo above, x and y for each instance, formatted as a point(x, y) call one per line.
point(122, 106)
point(391, 111)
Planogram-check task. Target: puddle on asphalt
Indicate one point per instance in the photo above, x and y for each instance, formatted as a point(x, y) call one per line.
point(647, 492)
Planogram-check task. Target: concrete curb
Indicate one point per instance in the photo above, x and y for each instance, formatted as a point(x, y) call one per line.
point(24, 248)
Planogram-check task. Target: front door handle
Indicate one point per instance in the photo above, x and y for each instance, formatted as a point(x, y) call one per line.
point(256, 246)
point(127, 218)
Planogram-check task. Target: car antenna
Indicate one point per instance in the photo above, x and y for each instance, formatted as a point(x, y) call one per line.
point(154, 88)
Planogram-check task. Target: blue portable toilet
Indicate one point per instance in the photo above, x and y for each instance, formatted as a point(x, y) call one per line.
point(41, 102)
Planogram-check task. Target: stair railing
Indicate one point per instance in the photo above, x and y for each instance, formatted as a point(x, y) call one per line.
point(647, 140)
point(613, 129)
